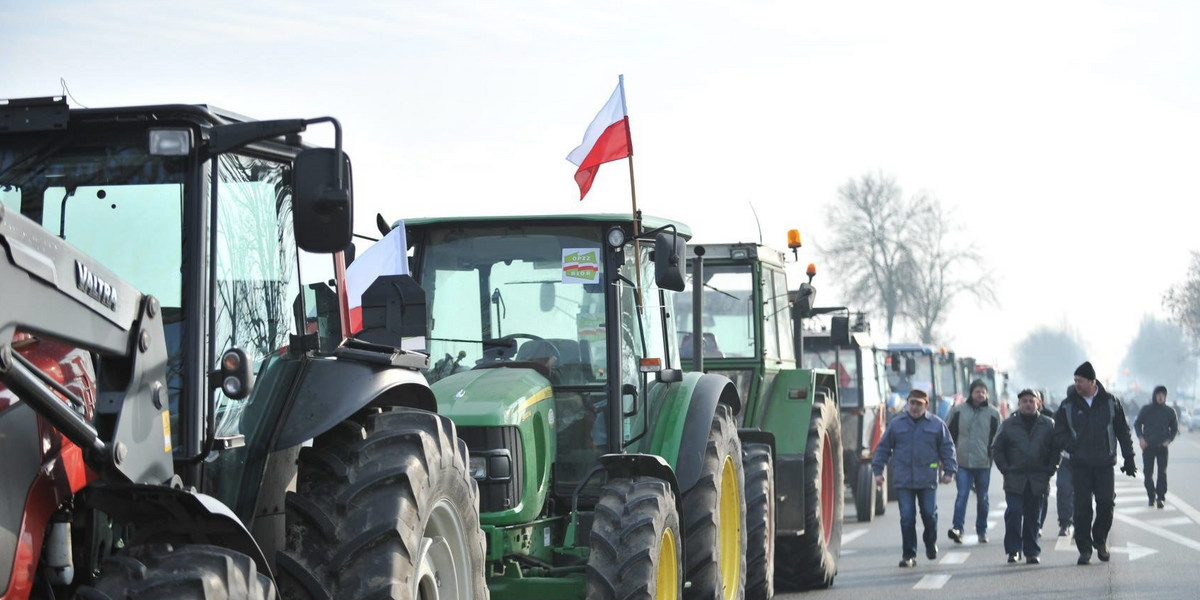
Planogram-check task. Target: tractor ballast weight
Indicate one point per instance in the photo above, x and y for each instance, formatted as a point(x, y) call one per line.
point(210, 411)
point(604, 470)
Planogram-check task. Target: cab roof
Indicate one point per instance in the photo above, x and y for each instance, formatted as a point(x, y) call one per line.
point(648, 222)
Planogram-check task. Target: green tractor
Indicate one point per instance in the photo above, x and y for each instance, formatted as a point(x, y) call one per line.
point(604, 470)
point(181, 413)
point(748, 331)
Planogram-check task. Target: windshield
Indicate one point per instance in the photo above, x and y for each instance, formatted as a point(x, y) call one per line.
point(902, 383)
point(518, 293)
point(728, 314)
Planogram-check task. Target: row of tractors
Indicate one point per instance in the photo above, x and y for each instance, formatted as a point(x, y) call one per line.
point(189, 413)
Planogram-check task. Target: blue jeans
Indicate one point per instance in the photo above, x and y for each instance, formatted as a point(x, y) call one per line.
point(1021, 522)
point(907, 499)
point(979, 479)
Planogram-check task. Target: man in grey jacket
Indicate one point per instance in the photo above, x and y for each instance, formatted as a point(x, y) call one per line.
point(1026, 455)
point(919, 446)
point(973, 425)
point(1156, 426)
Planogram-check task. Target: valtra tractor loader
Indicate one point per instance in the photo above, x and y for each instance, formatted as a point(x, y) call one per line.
point(746, 328)
point(181, 414)
point(604, 470)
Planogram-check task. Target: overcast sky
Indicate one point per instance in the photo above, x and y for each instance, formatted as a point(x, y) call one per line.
point(1063, 135)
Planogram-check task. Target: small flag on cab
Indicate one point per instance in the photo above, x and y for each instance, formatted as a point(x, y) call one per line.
point(606, 139)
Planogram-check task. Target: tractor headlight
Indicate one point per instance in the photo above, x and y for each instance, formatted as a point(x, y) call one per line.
point(479, 467)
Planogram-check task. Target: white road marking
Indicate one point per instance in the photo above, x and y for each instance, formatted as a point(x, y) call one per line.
point(1134, 551)
point(1174, 501)
point(1159, 531)
point(1065, 543)
point(932, 582)
point(1171, 522)
point(1145, 509)
point(954, 558)
point(853, 535)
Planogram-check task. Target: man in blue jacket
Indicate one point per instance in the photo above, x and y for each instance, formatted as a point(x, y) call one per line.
point(920, 448)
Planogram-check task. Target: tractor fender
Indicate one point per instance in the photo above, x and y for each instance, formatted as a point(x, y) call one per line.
point(330, 390)
point(628, 465)
point(160, 513)
point(757, 436)
point(709, 391)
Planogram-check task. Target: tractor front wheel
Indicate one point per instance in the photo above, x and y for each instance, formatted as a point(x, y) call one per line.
point(760, 521)
point(714, 517)
point(811, 559)
point(384, 506)
point(635, 547)
point(865, 499)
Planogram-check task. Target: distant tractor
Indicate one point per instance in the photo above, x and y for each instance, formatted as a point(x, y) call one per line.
point(604, 470)
point(995, 380)
point(181, 414)
point(931, 369)
point(739, 322)
point(862, 395)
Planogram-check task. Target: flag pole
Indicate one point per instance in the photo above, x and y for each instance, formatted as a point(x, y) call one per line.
point(637, 225)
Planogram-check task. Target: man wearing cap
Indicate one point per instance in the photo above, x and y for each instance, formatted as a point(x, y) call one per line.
point(973, 425)
point(1156, 426)
point(919, 446)
point(1025, 454)
point(1089, 425)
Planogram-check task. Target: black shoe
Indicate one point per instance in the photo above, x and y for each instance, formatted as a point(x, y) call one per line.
point(955, 534)
point(931, 551)
point(1033, 560)
point(1084, 558)
point(1152, 501)
point(1160, 503)
point(1014, 557)
point(983, 538)
point(1102, 552)
point(1064, 530)
point(908, 562)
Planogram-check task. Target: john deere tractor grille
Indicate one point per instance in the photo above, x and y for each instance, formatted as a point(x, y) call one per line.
point(498, 465)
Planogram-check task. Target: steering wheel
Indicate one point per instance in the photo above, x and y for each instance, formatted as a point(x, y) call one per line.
point(536, 348)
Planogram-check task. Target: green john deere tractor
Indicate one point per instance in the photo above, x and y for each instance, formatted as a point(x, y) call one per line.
point(604, 471)
point(790, 425)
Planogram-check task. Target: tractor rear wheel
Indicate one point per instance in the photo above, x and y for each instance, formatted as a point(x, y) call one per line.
point(865, 499)
point(183, 571)
point(812, 558)
point(385, 506)
point(714, 517)
point(635, 546)
point(759, 465)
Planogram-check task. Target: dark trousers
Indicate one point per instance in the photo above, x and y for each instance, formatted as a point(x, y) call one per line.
point(1022, 518)
point(1093, 483)
point(1065, 490)
point(1149, 456)
point(908, 499)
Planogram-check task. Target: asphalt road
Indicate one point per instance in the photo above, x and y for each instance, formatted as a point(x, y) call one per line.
point(1155, 552)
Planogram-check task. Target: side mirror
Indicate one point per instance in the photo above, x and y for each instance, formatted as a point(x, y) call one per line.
point(806, 297)
point(322, 206)
point(839, 331)
point(669, 262)
point(910, 365)
point(235, 375)
point(894, 360)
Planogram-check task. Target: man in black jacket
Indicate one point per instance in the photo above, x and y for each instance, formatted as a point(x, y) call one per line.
point(1025, 454)
point(1156, 426)
point(1089, 424)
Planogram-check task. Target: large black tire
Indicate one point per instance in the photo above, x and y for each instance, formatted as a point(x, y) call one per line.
point(881, 495)
point(184, 572)
point(635, 548)
point(385, 507)
point(888, 481)
point(865, 499)
point(810, 560)
point(759, 466)
point(708, 508)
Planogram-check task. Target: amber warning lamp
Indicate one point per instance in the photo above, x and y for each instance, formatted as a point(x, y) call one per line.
point(794, 241)
point(811, 271)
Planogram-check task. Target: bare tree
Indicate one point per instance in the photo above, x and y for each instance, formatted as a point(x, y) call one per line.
point(943, 269)
point(1183, 300)
point(1159, 355)
point(1047, 357)
point(872, 227)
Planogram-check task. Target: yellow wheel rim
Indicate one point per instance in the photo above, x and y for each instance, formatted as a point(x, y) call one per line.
point(731, 529)
point(667, 586)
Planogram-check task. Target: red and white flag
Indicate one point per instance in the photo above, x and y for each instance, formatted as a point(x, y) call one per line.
point(606, 139)
point(388, 256)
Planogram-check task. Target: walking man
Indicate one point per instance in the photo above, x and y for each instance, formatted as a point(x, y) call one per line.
point(919, 446)
point(973, 425)
point(1026, 456)
point(1089, 424)
point(1156, 426)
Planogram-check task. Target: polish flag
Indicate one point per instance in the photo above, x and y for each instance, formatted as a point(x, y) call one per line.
point(388, 256)
point(606, 139)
